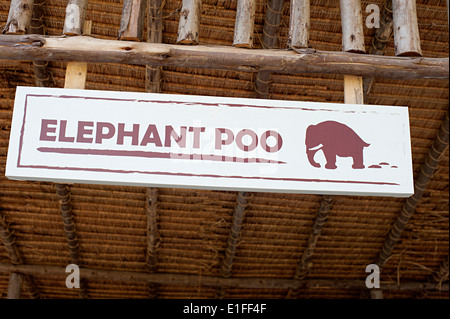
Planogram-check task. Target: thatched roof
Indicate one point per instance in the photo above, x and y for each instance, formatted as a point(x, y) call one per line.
point(276, 239)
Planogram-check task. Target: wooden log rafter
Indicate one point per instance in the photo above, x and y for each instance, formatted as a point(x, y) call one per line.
point(152, 85)
point(154, 35)
point(42, 75)
point(90, 49)
point(305, 264)
point(244, 24)
point(233, 240)
point(271, 23)
point(422, 180)
point(19, 17)
point(63, 194)
point(379, 42)
point(352, 26)
point(212, 281)
point(189, 25)
point(406, 28)
point(299, 24)
point(8, 240)
point(75, 17)
point(153, 237)
point(132, 21)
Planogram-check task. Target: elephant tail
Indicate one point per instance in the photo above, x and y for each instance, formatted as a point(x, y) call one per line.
point(364, 144)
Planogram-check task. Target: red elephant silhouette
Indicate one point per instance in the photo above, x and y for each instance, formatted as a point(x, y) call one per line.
point(334, 139)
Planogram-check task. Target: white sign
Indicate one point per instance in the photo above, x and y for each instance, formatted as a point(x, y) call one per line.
point(160, 140)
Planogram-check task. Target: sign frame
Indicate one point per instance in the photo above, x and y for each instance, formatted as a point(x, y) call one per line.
point(34, 143)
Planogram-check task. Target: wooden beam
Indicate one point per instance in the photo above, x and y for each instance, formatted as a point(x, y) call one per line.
point(19, 17)
point(379, 42)
point(271, 23)
point(63, 193)
point(211, 281)
point(299, 24)
point(188, 27)
point(304, 266)
point(132, 21)
point(76, 72)
point(152, 85)
point(154, 35)
point(422, 180)
point(245, 20)
point(89, 49)
point(42, 75)
point(353, 89)
point(14, 286)
point(406, 28)
point(75, 17)
point(233, 239)
point(153, 238)
point(352, 26)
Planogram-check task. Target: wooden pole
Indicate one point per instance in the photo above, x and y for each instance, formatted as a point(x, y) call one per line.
point(379, 42)
point(75, 17)
point(42, 75)
point(76, 72)
point(19, 17)
point(154, 35)
point(304, 265)
point(352, 26)
point(89, 49)
point(245, 20)
point(132, 21)
point(299, 24)
point(188, 27)
point(271, 23)
point(212, 281)
point(153, 237)
point(353, 89)
point(233, 239)
point(406, 29)
point(352, 41)
point(14, 286)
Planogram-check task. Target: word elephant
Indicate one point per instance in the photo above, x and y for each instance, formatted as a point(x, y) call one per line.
point(334, 139)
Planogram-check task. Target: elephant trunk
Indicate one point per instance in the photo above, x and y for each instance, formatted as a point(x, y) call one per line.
point(311, 153)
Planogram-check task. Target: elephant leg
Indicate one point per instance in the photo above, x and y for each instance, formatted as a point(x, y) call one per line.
point(358, 161)
point(331, 159)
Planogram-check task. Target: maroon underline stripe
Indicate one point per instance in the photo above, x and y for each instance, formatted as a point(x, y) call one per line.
point(106, 170)
point(147, 154)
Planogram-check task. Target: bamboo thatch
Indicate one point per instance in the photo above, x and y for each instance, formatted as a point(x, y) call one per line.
point(186, 233)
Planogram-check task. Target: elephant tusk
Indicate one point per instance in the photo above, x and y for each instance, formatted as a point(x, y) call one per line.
point(315, 148)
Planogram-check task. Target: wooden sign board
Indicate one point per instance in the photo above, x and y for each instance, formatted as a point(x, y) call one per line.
point(160, 140)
